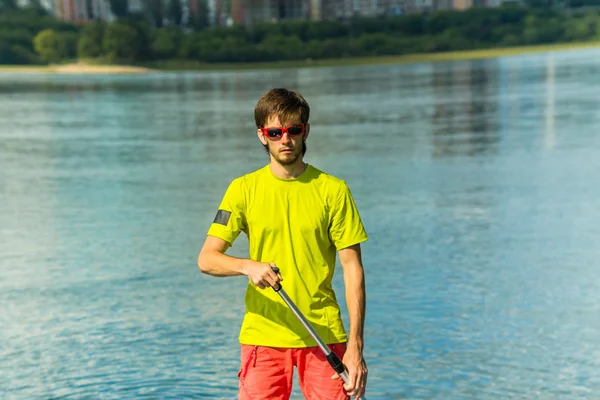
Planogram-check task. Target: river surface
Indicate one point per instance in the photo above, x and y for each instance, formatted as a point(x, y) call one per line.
point(477, 181)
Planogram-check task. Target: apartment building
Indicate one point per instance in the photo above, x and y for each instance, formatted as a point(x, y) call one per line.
point(135, 6)
point(226, 12)
point(462, 4)
point(396, 7)
point(333, 9)
point(77, 11)
point(256, 11)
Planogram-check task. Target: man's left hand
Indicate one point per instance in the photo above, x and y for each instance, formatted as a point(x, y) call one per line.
point(357, 372)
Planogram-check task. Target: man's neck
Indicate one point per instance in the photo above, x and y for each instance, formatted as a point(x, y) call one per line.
point(291, 171)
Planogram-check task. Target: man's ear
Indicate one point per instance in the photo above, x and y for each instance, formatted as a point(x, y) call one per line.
point(261, 137)
point(306, 131)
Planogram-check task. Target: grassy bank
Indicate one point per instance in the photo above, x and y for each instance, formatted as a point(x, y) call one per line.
point(174, 65)
point(402, 59)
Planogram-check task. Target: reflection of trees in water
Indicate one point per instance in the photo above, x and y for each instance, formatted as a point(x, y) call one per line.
point(375, 99)
point(464, 118)
point(135, 120)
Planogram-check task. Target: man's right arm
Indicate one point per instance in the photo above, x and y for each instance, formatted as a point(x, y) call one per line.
point(213, 261)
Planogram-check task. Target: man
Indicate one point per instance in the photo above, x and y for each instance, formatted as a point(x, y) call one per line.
point(296, 218)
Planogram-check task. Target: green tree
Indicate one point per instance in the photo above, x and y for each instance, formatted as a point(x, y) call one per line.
point(542, 31)
point(166, 43)
point(442, 20)
point(373, 44)
point(90, 40)
point(50, 46)
point(17, 55)
point(276, 47)
point(326, 30)
point(8, 4)
point(121, 43)
point(187, 47)
point(146, 34)
point(411, 25)
point(582, 28)
point(338, 48)
point(70, 40)
point(17, 37)
point(7, 55)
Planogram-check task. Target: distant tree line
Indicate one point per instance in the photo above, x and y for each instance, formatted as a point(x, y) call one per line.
point(29, 36)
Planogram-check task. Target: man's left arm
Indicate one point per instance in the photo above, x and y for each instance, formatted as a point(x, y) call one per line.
point(354, 281)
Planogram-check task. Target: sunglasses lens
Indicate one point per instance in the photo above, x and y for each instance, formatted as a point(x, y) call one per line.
point(295, 130)
point(274, 132)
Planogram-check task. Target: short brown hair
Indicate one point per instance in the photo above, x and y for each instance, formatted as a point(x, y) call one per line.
point(287, 105)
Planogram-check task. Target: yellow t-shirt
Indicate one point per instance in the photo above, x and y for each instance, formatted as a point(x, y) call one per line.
point(298, 224)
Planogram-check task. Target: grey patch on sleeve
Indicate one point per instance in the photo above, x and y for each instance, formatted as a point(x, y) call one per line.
point(222, 217)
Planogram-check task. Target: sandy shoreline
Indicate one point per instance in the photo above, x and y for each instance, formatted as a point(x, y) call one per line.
point(173, 65)
point(75, 69)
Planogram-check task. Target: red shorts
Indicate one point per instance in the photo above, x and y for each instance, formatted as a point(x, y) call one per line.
point(267, 372)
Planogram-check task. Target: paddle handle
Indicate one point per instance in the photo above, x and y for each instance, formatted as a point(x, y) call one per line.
point(332, 358)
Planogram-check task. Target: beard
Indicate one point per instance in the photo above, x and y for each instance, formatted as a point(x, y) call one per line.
point(286, 159)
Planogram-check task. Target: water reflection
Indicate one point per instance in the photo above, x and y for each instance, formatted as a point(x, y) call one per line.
point(550, 134)
point(465, 115)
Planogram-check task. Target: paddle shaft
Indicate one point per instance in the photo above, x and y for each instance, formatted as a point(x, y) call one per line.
point(332, 358)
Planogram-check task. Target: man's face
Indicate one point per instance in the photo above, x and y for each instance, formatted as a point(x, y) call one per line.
point(286, 149)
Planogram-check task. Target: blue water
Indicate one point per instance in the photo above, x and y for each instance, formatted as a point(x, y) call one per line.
point(476, 180)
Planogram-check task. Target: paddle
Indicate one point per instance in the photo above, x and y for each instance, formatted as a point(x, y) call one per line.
point(332, 358)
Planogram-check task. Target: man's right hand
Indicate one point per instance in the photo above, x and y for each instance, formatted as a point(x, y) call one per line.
point(261, 274)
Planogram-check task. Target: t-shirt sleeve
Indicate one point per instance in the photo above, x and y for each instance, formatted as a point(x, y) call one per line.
point(346, 228)
point(230, 218)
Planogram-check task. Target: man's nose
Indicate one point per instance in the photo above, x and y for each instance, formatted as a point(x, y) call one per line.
point(285, 137)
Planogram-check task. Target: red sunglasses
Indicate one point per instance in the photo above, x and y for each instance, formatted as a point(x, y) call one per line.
point(277, 133)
